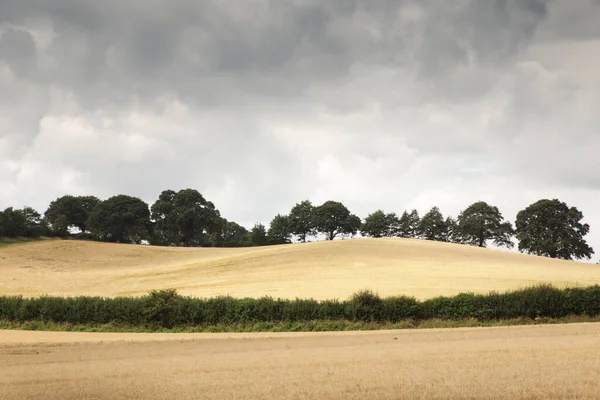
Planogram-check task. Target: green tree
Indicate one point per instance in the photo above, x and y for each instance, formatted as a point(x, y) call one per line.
point(302, 220)
point(235, 235)
point(453, 232)
point(379, 224)
point(184, 218)
point(121, 219)
point(258, 235)
point(553, 229)
point(480, 223)
point(72, 210)
point(352, 226)
point(279, 230)
point(433, 226)
point(332, 218)
point(228, 234)
point(13, 223)
point(408, 225)
point(36, 225)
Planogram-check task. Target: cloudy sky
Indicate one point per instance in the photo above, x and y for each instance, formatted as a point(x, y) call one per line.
point(259, 104)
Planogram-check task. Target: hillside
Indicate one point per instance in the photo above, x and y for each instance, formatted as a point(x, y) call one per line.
point(319, 270)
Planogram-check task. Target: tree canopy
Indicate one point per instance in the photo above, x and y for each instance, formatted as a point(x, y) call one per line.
point(279, 230)
point(379, 224)
point(332, 218)
point(408, 225)
point(258, 235)
point(301, 220)
point(67, 211)
point(230, 234)
point(480, 223)
point(13, 223)
point(122, 219)
point(183, 218)
point(433, 226)
point(553, 229)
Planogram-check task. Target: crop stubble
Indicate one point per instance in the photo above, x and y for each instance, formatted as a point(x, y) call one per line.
point(324, 270)
point(557, 361)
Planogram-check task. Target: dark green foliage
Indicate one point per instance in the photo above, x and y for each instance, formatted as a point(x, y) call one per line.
point(13, 223)
point(551, 228)
point(69, 211)
point(365, 306)
point(258, 235)
point(36, 226)
point(408, 225)
point(379, 224)
point(184, 218)
point(22, 223)
point(433, 226)
point(279, 230)
point(121, 219)
point(302, 220)
point(480, 223)
point(453, 234)
point(332, 218)
point(229, 234)
point(161, 307)
point(166, 309)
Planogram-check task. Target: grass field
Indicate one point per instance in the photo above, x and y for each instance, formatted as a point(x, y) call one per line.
point(322, 270)
point(532, 362)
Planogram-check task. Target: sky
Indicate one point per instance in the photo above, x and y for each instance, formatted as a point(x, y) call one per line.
point(260, 104)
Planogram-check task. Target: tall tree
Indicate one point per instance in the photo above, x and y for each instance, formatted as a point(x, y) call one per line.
point(235, 235)
point(258, 235)
point(122, 219)
point(302, 220)
point(71, 210)
point(279, 230)
point(36, 226)
point(553, 229)
point(379, 224)
point(332, 218)
point(433, 226)
point(352, 226)
point(184, 218)
point(229, 234)
point(13, 223)
point(408, 226)
point(453, 233)
point(480, 223)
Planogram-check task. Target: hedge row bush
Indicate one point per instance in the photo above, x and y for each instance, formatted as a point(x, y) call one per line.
point(166, 308)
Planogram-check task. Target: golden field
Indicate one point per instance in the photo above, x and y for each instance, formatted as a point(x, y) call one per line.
point(526, 362)
point(323, 270)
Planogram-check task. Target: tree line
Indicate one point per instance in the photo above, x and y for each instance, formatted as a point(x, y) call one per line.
point(186, 218)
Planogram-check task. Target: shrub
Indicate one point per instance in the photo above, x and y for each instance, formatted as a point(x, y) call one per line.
point(161, 306)
point(365, 306)
point(167, 309)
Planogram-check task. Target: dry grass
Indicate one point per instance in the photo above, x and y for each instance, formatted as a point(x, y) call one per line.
point(541, 362)
point(320, 270)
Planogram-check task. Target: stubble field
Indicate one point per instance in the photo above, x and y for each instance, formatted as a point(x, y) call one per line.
point(324, 270)
point(530, 362)
point(527, 362)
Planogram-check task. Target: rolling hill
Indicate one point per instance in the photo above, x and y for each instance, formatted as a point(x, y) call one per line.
point(321, 270)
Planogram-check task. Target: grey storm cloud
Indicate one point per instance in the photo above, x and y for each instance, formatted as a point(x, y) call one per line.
point(260, 104)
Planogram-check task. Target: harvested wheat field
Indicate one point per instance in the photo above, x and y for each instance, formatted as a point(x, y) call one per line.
point(322, 270)
point(527, 362)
